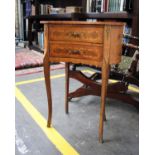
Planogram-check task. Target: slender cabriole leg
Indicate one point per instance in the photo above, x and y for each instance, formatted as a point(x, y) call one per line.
point(67, 87)
point(108, 71)
point(46, 64)
point(48, 89)
point(105, 75)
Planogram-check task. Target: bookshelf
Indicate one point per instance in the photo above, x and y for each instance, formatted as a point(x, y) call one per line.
point(129, 13)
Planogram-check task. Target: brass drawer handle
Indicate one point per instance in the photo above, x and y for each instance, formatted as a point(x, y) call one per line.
point(75, 34)
point(74, 52)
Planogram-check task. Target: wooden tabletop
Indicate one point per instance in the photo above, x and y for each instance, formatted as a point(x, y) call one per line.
point(83, 22)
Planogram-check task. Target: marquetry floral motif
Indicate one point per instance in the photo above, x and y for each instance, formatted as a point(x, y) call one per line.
point(77, 34)
point(85, 53)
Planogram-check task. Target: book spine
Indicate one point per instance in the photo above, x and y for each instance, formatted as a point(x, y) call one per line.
point(102, 6)
point(115, 5)
point(121, 5)
point(98, 5)
point(41, 9)
point(94, 6)
point(127, 6)
point(33, 11)
point(88, 6)
point(106, 5)
point(42, 40)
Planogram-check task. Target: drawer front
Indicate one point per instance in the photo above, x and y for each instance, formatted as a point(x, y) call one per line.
point(77, 51)
point(76, 33)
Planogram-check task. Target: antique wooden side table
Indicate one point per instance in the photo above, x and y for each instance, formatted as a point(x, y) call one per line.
point(79, 42)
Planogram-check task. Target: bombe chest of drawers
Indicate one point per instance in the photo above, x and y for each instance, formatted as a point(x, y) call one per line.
point(79, 42)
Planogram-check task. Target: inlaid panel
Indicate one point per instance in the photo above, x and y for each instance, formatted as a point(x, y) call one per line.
point(76, 33)
point(62, 49)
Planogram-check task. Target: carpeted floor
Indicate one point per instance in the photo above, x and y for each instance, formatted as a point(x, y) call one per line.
point(25, 58)
point(30, 61)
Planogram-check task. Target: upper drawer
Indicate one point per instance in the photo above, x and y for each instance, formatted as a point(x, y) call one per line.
point(73, 33)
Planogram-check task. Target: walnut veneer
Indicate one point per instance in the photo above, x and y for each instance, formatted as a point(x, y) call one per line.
point(90, 43)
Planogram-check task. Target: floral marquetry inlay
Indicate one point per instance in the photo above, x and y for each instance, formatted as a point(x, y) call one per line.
point(76, 52)
point(81, 51)
point(77, 34)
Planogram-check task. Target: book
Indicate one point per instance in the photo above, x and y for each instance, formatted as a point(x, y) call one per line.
point(73, 9)
point(93, 6)
point(128, 5)
point(102, 5)
point(88, 6)
point(115, 5)
point(106, 5)
point(121, 5)
point(98, 5)
point(45, 9)
point(41, 40)
point(33, 12)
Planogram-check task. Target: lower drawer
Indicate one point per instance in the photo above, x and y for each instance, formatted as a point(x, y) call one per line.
point(78, 51)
